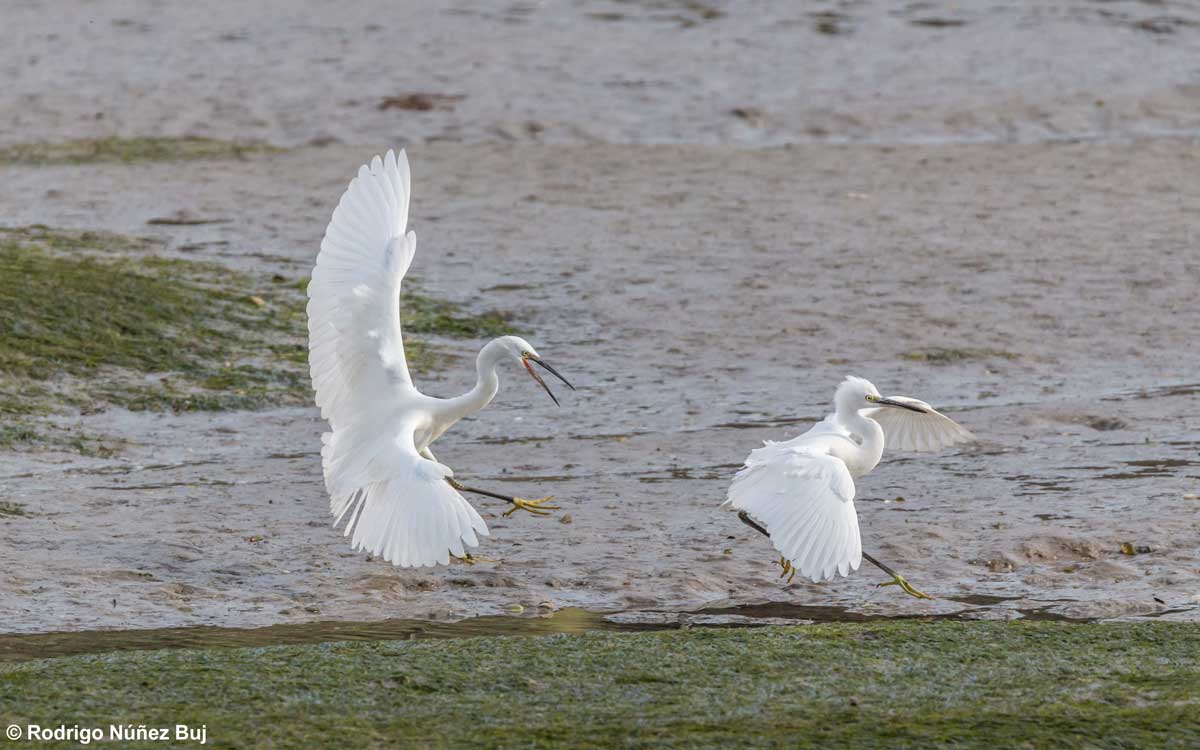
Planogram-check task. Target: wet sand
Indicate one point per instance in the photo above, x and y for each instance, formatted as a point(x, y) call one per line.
point(703, 298)
point(295, 72)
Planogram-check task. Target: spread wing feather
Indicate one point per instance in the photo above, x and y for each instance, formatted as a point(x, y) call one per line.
point(805, 500)
point(907, 430)
point(356, 352)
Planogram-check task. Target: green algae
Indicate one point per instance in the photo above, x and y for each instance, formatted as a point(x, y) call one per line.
point(941, 355)
point(11, 509)
point(904, 684)
point(129, 151)
point(83, 328)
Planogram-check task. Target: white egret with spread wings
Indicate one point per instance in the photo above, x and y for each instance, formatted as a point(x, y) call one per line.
point(397, 501)
point(800, 492)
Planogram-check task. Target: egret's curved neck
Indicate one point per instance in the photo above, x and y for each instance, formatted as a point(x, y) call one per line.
point(871, 448)
point(487, 382)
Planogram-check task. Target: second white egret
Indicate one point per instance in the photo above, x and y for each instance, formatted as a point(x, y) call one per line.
point(800, 492)
point(397, 500)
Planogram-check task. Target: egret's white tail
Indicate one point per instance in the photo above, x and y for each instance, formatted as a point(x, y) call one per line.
point(413, 518)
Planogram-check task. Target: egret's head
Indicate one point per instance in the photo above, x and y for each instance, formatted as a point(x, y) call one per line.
point(854, 394)
point(522, 351)
point(859, 393)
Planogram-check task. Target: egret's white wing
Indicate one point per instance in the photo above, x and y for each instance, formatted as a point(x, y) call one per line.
point(396, 504)
point(356, 354)
point(907, 430)
point(829, 426)
point(805, 501)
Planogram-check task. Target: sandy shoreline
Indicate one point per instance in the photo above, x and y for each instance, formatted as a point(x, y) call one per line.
point(704, 299)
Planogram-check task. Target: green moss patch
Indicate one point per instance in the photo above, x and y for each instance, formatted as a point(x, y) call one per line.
point(129, 151)
point(21, 432)
point(906, 684)
point(422, 314)
point(90, 319)
point(84, 329)
point(940, 355)
point(11, 509)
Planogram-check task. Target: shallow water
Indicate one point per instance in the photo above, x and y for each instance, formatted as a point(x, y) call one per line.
point(571, 620)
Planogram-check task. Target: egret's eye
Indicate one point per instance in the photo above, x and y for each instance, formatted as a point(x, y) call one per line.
point(870, 398)
point(526, 355)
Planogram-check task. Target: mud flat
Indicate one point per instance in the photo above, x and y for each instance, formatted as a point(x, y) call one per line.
point(611, 71)
point(704, 298)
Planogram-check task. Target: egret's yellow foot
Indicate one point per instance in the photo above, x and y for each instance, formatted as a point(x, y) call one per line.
point(899, 580)
point(469, 559)
point(788, 568)
point(536, 507)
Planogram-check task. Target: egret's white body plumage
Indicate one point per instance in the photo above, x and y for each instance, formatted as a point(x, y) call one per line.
point(802, 490)
point(383, 481)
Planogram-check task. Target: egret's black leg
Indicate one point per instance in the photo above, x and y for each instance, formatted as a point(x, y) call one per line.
point(789, 570)
point(537, 507)
point(745, 518)
point(897, 579)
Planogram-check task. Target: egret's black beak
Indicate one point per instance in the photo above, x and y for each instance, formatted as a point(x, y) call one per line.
point(541, 382)
point(899, 405)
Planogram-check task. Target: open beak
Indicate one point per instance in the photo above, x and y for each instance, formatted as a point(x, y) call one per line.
point(533, 373)
point(899, 405)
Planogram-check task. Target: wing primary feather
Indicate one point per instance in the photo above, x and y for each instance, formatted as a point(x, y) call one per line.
point(394, 503)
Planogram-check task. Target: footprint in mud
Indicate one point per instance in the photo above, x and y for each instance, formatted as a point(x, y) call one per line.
point(395, 584)
point(1060, 548)
point(1107, 571)
point(179, 595)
